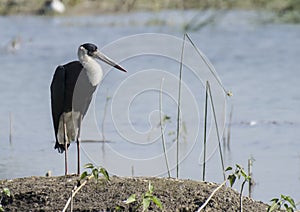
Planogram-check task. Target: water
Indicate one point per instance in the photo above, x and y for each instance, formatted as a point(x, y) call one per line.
point(257, 62)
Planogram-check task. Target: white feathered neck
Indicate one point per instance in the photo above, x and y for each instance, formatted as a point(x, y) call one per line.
point(92, 68)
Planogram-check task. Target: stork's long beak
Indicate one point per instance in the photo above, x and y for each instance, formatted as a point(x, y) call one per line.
point(107, 60)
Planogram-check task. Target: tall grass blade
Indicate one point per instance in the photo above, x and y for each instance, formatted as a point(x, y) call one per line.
point(205, 129)
point(161, 127)
point(217, 129)
point(178, 108)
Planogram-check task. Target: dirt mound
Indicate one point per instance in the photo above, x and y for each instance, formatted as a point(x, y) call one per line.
point(52, 193)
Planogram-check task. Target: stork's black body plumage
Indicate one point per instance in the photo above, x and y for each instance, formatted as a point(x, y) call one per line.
point(72, 89)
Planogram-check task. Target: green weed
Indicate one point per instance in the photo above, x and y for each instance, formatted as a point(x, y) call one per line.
point(95, 171)
point(238, 173)
point(146, 200)
point(5, 193)
point(286, 201)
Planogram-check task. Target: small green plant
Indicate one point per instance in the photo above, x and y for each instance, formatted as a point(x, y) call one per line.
point(95, 171)
point(286, 201)
point(238, 173)
point(147, 198)
point(4, 194)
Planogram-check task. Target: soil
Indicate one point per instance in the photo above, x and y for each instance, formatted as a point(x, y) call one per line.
point(52, 193)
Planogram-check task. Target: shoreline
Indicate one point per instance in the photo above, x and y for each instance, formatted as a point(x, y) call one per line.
point(289, 10)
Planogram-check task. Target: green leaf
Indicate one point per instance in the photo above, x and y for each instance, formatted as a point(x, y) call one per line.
point(248, 178)
point(231, 179)
point(1, 208)
point(95, 173)
point(104, 173)
point(244, 173)
point(157, 202)
point(287, 208)
point(228, 168)
point(83, 175)
point(290, 200)
point(146, 203)
point(130, 199)
point(88, 166)
point(274, 200)
point(273, 207)
point(6, 192)
point(238, 166)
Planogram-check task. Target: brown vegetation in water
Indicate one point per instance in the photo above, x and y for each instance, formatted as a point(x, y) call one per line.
point(80, 7)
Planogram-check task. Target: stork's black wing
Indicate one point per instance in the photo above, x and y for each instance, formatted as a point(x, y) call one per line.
point(57, 89)
point(62, 88)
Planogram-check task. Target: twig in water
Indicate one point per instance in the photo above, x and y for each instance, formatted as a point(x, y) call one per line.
point(161, 127)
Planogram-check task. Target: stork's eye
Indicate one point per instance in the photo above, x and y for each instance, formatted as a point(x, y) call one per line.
point(90, 53)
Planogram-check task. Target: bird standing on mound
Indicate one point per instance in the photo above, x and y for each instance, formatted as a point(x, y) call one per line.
point(72, 89)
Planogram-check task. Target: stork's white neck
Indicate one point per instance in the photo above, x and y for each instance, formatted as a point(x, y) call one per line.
point(93, 69)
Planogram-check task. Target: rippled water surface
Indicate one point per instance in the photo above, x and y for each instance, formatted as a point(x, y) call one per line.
point(258, 62)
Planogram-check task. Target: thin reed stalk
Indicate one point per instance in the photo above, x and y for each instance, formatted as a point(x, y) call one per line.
point(229, 129)
point(241, 196)
point(217, 129)
point(161, 127)
point(210, 67)
point(250, 163)
point(205, 129)
point(178, 108)
point(10, 128)
point(104, 116)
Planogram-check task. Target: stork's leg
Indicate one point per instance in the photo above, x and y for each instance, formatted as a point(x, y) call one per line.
point(78, 146)
point(66, 148)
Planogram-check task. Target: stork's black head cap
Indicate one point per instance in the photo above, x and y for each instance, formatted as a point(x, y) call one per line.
point(90, 47)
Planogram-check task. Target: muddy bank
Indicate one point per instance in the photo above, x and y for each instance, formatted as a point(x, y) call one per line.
point(93, 7)
point(52, 193)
